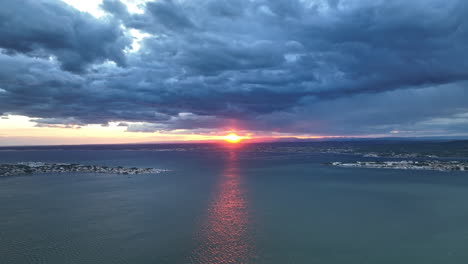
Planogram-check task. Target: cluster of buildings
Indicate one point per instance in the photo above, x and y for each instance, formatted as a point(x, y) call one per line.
point(397, 155)
point(408, 165)
point(41, 167)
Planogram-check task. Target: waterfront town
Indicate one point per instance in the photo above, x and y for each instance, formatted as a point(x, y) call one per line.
point(23, 168)
point(407, 165)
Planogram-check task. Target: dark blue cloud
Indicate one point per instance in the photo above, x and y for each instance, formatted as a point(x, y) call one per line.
point(42, 28)
point(313, 67)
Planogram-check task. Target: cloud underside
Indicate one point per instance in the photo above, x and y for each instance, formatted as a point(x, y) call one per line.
point(307, 66)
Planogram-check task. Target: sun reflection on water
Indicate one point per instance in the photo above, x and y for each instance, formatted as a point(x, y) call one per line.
point(224, 237)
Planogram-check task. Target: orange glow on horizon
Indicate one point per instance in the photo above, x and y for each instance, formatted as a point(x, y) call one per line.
point(18, 130)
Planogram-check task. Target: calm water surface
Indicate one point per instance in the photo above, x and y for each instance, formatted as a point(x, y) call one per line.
point(230, 206)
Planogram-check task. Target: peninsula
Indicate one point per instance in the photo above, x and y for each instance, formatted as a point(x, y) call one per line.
point(406, 165)
point(23, 168)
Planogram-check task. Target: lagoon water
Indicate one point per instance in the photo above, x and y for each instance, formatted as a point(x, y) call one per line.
point(229, 205)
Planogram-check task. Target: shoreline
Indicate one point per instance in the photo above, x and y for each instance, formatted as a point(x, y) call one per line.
point(28, 168)
point(433, 165)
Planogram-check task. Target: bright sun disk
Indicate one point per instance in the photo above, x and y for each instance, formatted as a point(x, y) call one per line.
point(232, 138)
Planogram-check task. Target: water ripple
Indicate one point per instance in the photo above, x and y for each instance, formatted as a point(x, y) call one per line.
point(224, 234)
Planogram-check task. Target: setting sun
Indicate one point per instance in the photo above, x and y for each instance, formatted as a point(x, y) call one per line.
point(232, 138)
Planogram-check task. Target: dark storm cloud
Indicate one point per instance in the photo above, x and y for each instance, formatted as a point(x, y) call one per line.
point(315, 48)
point(328, 67)
point(45, 27)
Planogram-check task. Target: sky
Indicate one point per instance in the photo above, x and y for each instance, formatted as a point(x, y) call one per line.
point(79, 71)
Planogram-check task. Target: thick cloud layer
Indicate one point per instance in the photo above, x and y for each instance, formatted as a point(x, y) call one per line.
point(44, 28)
point(292, 66)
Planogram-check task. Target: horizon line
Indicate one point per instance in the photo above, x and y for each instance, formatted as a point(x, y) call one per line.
point(253, 141)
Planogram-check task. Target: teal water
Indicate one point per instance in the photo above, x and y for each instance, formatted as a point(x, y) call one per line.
point(230, 206)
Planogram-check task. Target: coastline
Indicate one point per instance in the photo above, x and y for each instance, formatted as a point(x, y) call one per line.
point(26, 168)
point(434, 165)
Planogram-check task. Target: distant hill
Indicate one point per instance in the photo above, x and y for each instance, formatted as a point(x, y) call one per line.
point(439, 147)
